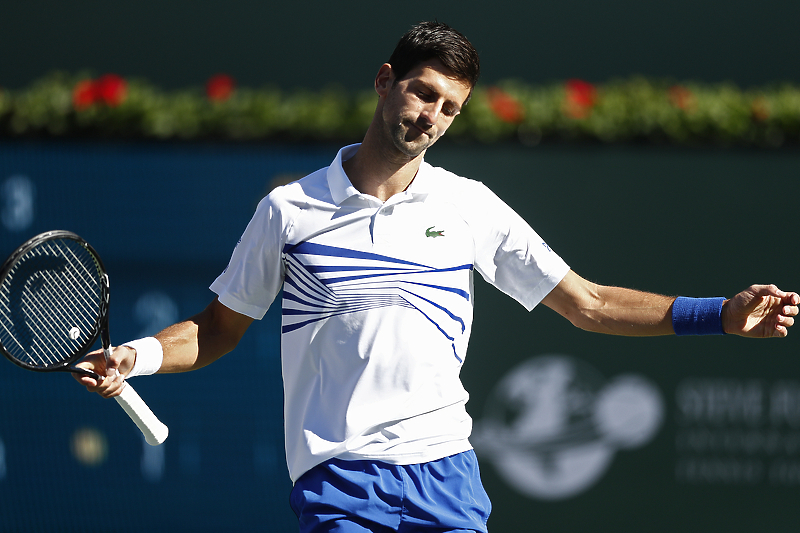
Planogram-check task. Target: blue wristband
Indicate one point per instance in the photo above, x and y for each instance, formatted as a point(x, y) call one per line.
point(697, 316)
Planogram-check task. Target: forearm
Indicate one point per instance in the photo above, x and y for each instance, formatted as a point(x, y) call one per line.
point(191, 344)
point(611, 310)
point(759, 311)
point(620, 311)
point(187, 345)
point(202, 339)
point(181, 343)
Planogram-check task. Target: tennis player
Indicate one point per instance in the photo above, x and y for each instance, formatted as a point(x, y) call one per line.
point(375, 255)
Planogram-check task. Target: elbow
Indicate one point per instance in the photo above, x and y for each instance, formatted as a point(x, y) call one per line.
point(217, 334)
point(584, 321)
point(590, 314)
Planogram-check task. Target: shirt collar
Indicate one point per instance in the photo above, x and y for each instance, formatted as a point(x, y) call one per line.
point(341, 188)
point(338, 182)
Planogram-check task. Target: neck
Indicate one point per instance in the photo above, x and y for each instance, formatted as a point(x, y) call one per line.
point(381, 171)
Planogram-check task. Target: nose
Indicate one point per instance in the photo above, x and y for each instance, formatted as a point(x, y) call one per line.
point(430, 112)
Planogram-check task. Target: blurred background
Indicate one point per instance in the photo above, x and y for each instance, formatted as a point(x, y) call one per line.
point(652, 145)
point(309, 44)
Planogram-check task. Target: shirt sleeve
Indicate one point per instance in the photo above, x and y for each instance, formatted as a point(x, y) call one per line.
point(509, 253)
point(255, 272)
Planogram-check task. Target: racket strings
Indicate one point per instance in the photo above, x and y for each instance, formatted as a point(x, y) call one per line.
point(46, 310)
point(35, 307)
point(44, 307)
point(79, 283)
point(51, 302)
point(86, 290)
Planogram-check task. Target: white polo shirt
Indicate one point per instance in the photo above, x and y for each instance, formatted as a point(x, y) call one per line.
point(377, 306)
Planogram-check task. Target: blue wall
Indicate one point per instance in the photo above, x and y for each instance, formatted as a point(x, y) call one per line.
point(657, 435)
point(165, 220)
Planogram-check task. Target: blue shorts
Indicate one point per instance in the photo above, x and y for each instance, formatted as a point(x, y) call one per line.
point(377, 497)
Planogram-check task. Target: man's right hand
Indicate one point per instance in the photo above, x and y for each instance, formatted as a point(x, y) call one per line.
point(119, 364)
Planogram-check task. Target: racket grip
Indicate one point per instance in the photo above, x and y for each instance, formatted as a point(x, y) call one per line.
point(154, 431)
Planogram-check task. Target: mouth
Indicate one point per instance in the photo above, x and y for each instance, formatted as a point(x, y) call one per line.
point(413, 126)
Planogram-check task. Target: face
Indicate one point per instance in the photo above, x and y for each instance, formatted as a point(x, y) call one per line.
point(418, 109)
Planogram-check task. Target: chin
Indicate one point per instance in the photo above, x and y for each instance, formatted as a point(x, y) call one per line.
point(411, 150)
point(415, 147)
point(400, 133)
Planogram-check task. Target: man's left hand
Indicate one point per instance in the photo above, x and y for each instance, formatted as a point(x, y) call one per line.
point(760, 311)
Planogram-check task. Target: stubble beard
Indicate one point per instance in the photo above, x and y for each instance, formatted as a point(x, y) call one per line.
point(401, 134)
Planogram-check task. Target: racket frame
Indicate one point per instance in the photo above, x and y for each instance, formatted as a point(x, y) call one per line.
point(100, 324)
point(154, 431)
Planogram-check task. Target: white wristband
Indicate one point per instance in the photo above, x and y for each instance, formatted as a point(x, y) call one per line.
point(149, 356)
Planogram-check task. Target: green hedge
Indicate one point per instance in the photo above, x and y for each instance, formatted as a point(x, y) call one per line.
point(621, 111)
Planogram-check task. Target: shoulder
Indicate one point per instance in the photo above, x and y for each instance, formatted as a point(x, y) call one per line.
point(280, 208)
point(446, 184)
point(297, 194)
point(476, 202)
point(313, 185)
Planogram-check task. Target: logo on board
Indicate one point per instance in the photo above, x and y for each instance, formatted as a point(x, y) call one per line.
point(553, 424)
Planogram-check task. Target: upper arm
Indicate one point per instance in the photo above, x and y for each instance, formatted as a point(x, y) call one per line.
point(223, 324)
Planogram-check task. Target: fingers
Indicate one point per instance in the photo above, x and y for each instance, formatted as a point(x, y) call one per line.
point(107, 387)
point(789, 299)
point(93, 362)
point(121, 360)
point(118, 362)
point(764, 311)
point(781, 331)
point(767, 290)
point(788, 310)
point(87, 381)
point(782, 323)
point(112, 380)
point(112, 385)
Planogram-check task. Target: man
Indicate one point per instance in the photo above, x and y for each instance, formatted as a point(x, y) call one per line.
point(375, 256)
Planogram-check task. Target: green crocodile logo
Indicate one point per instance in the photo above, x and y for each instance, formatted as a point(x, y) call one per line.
point(434, 233)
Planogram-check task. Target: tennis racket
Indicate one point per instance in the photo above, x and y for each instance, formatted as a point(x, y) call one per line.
point(53, 306)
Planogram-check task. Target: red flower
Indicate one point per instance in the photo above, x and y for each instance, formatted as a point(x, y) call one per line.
point(109, 89)
point(760, 109)
point(581, 96)
point(504, 106)
point(682, 98)
point(84, 94)
point(220, 87)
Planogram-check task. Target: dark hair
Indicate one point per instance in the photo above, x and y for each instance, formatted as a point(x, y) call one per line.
point(436, 40)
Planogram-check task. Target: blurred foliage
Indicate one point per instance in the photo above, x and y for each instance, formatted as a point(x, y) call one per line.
point(619, 111)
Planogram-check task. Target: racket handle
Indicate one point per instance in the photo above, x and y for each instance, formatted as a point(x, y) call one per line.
point(154, 431)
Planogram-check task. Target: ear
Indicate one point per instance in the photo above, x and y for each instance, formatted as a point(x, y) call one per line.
point(384, 79)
